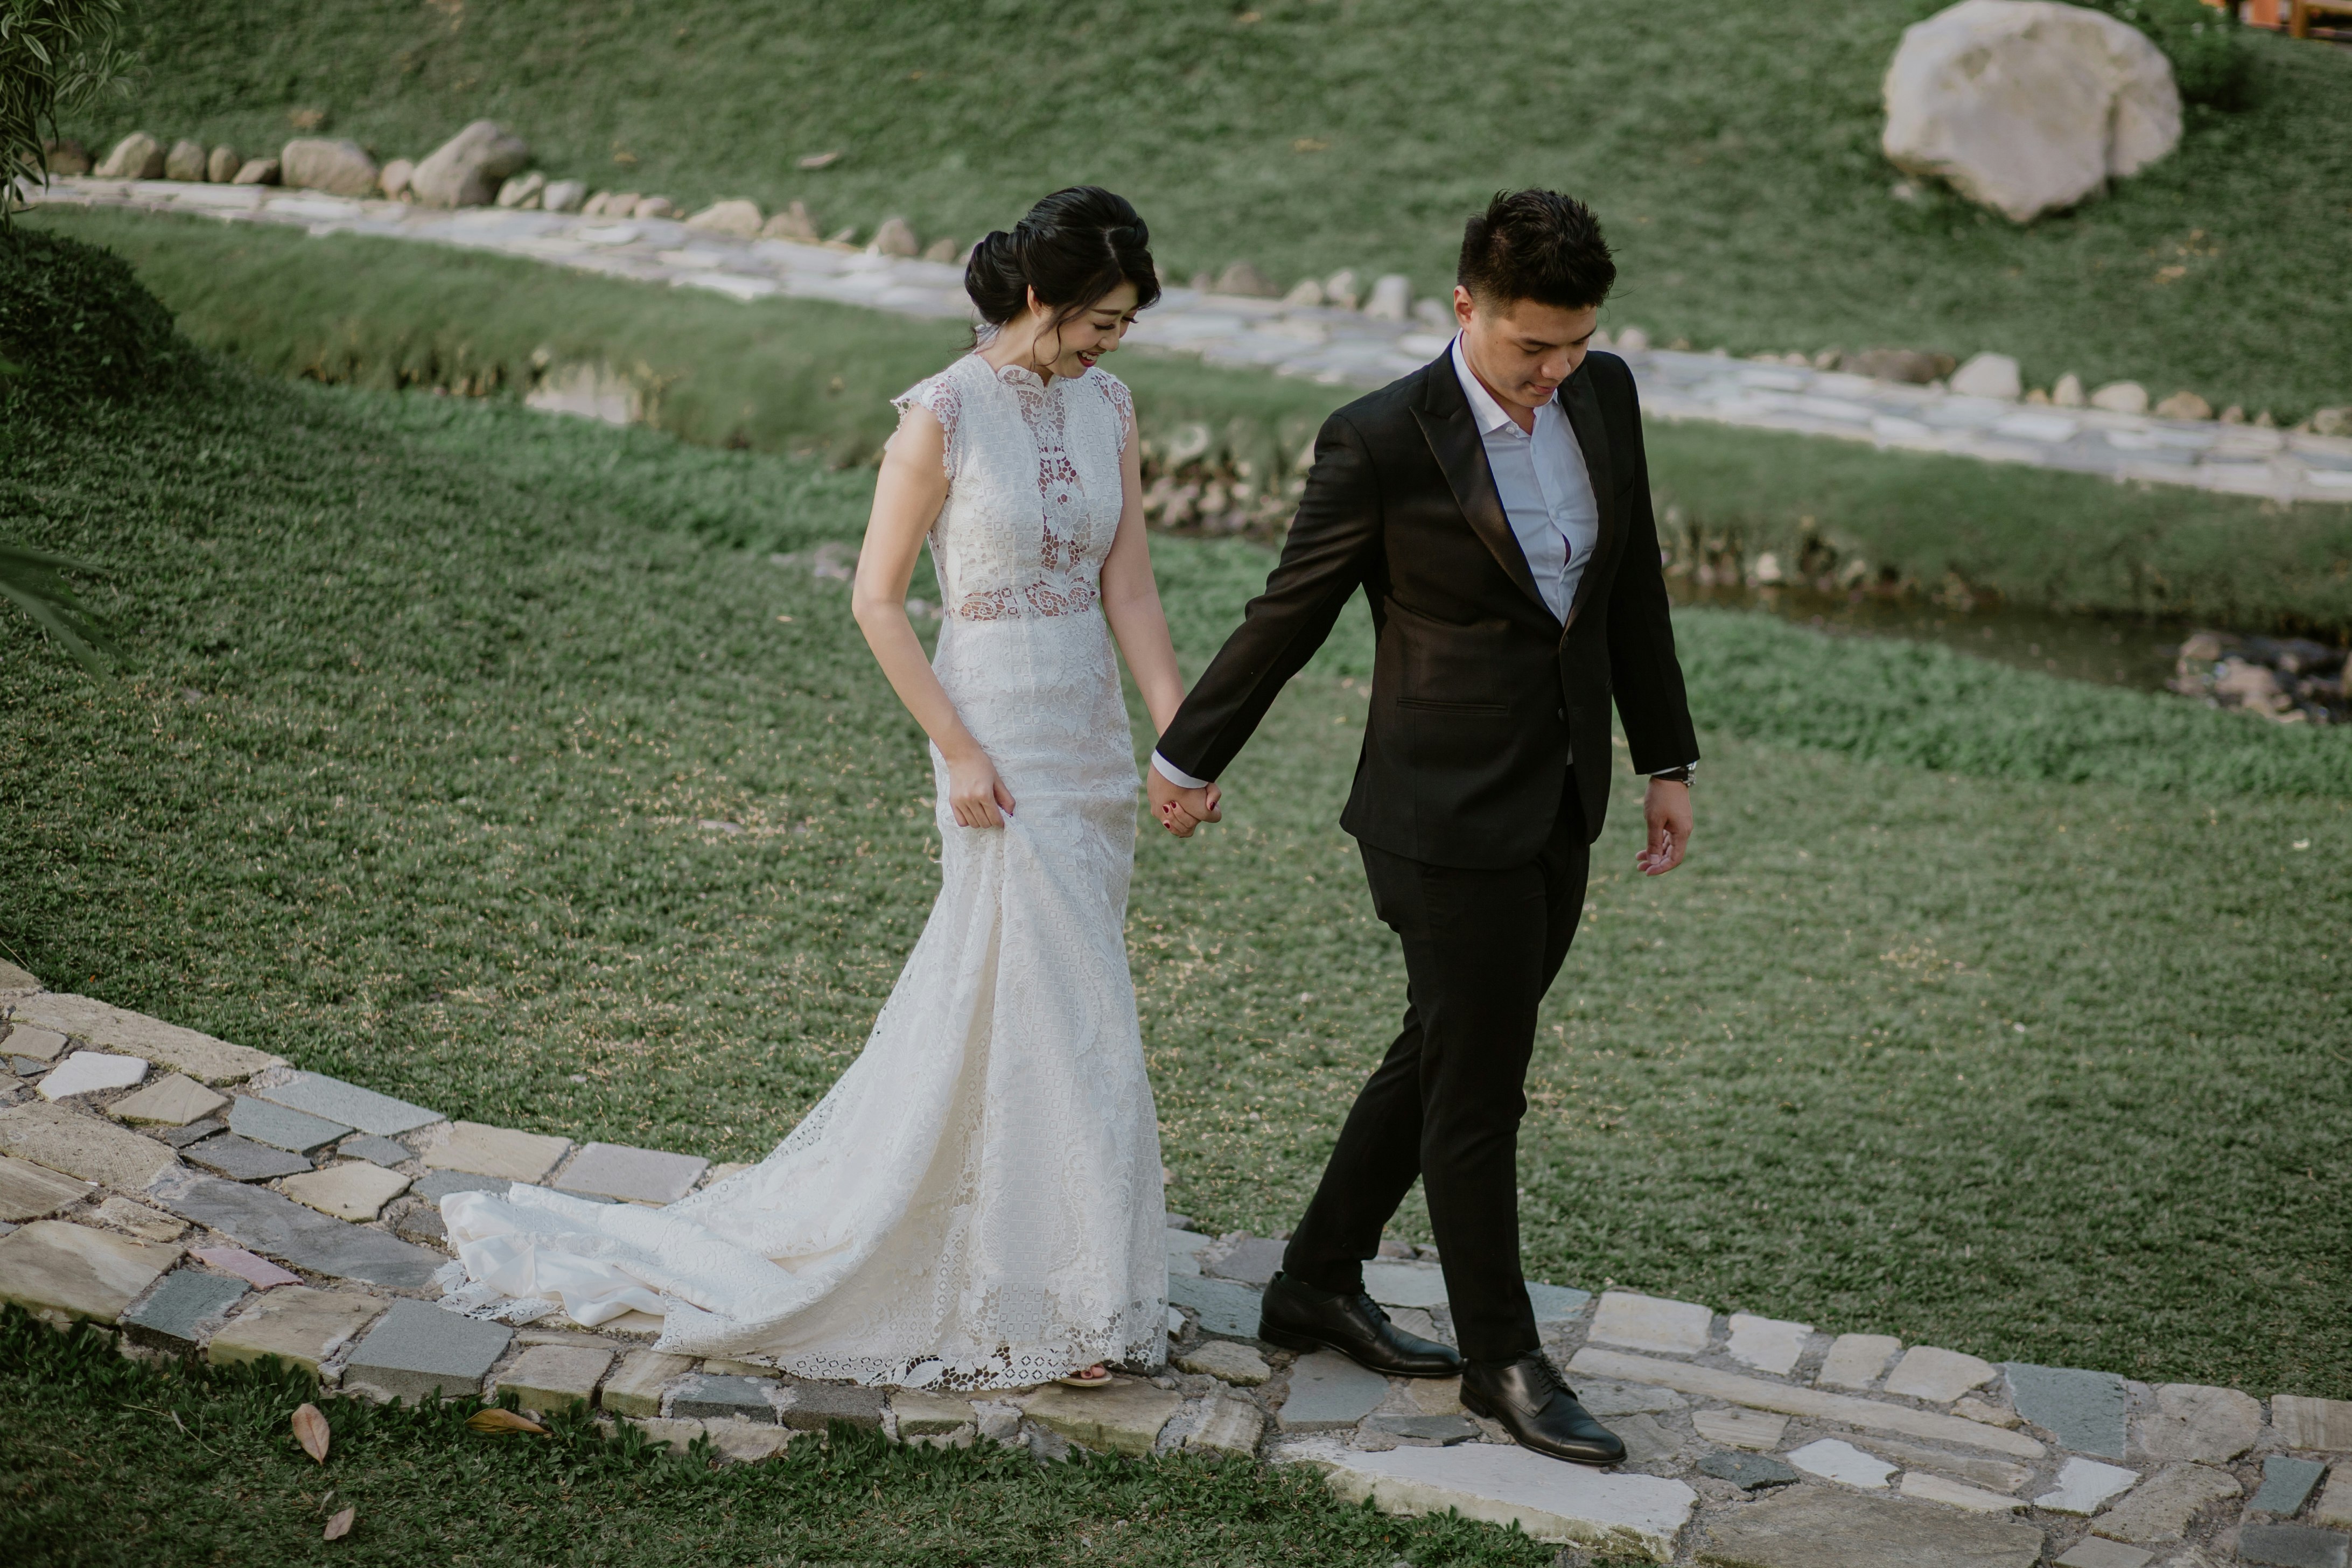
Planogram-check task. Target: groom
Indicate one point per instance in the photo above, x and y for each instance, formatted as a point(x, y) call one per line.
point(1494, 508)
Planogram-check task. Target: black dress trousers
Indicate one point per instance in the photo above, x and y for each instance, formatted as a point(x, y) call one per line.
point(1481, 947)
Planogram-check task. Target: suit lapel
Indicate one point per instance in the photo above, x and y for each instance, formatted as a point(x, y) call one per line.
point(1453, 436)
point(1582, 407)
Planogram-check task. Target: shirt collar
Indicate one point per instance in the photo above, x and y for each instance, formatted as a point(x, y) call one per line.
point(1489, 413)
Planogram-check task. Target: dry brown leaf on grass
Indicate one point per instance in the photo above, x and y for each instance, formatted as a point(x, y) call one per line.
point(341, 1525)
point(499, 1422)
point(311, 1431)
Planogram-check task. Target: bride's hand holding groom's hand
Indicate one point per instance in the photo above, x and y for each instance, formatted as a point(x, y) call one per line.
point(1181, 810)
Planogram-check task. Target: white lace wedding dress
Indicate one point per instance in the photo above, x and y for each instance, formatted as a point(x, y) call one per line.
point(977, 1202)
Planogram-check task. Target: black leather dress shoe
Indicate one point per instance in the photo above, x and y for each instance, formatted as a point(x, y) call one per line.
point(1299, 1316)
point(1539, 1411)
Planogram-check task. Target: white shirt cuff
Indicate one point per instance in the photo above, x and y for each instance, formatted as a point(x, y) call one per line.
point(1175, 775)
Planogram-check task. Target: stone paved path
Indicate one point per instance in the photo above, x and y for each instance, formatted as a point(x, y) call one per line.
point(1322, 344)
point(1752, 1442)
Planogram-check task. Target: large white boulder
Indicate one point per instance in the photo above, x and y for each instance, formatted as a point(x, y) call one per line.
point(2028, 105)
point(468, 169)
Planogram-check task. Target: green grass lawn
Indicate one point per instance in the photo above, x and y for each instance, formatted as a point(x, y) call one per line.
point(804, 376)
point(429, 697)
point(105, 1462)
point(1734, 154)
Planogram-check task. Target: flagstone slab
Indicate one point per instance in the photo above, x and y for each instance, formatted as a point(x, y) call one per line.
point(194, 1131)
point(1252, 1260)
point(1834, 1459)
point(282, 1229)
point(738, 1440)
point(1651, 1323)
point(2092, 1553)
point(416, 1350)
point(174, 1099)
point(1854, 1361)
point(1928, 1487)
point(922, 1414)
point(1504, 1484)
point(632, 1175)
point(2294, 1546)
point(298, 1324)
point(734, 1398)
point(1938, 1376)
point(1749, 1472)
point(1823, 1527)
point(1994, 1475)
point(82, 1146)
point(483, 1150)
point(62, 1271)
point(349, 1189)
point(173, 1317)
point(2324, 1425)
point(251, 1267)
point(1222, 1306)
point(112, 1028)
point(332, 1099)
point(815, 1407)
point(243, 1159)
point(139, 1220)
point(1625, 1398)
point(1440, 1429)
point(1225, 1361)
point(89, 1072)
point(2160, 1510)
point(1843, 1409)
point(1229, 1425)
point(279, 1128)
point(2191, 1421)
point(2287, 1484)
point(1329, 1392)
point(2083, 1410)
point(1124, 1418)
point(36, 1045)
point(1768, 1344)
point(376, 1150)
point(30, 1192)
point(1557, 1304)
point(440, 1184)
point(1740, 1428)
point(2335, 1509)
point(635, 1389)
point(1395, 1283)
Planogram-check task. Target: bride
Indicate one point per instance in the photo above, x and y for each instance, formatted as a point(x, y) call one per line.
point(977, 1202)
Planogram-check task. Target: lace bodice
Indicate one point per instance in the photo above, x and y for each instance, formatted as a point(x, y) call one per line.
point(1033, 491)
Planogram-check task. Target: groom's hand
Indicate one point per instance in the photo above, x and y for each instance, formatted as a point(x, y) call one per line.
point(1181, 810)
point(1667, 809)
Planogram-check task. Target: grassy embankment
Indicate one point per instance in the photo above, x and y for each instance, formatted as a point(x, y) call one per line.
point(786, 376)
point(1737, 162)
point(428, 700)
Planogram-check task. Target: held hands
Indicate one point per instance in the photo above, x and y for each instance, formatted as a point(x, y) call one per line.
point(975, 794)
point(1181, 810)
point(1667, 809)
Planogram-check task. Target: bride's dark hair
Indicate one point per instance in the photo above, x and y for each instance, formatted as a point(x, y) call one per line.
point(1073, 248)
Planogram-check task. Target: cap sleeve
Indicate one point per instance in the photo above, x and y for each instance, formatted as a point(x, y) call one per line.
point(1122, 401)
point(945, 401)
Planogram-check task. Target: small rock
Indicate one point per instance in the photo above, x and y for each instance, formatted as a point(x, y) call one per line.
point(89, 1072)
point(139, 1220)
point(2287, 1484)
point(395, 178)
point(1391, 299)
point(655, 206)
point(1436, 1395)
point(185, 161)
point(1341, 290)
point(1242, 278)
point(1906, 365)
point(174, 1099)
point(1227, 1361)
point(1306, 294)
point(921, 1413)
point(2332, 422)
point(1855, 1360)
point(894, 237)
point(943, 250)
point(2293, 1546)
point(1938, 1376)
point(562, 195)
point(422, 1224)
point(1770, 1344)
point(467, 169)
point(137, 156)
point(1988, 375)
point(194, 1131)
point(2194, 1421)
point(1651, 1323)
point(2121, 397)
point(739, 219)
point(1834, 1461)
point(2086, 1486)
point(1646, 1442)
point(793, 222)
point(339, 168)
point(256, 172)
point(521, 192)
point(2068, 392)
point(1750, 1472)
point(2183, 406)
point(2161, 1509)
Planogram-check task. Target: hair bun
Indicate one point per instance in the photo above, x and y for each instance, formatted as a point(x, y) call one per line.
point(1071, 249)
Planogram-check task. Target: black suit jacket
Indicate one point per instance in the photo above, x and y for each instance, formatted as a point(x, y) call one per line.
point(1478, 694)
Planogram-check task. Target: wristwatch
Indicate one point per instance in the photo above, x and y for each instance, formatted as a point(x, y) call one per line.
point(1682, 775)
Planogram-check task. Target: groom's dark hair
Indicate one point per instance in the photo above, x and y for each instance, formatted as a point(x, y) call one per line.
point(1536, 245)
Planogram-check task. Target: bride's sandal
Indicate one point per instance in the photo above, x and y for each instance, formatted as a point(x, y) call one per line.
point(1080, 1379)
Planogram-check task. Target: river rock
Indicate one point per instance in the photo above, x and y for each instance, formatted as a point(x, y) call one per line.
point(65, 156)
point(1988, 375)
point(943, 250)
point(185, 161)
point(1243, 278)
point(466, 171)
point(1391, 299)
point(2027, 105)
point(222, 164)
point(562, 195)
point(2183, 406)
point(326, 163)
point(256, 172)
point(1897, 364)
point(1342, 289)
point(2121, 397)
point(793, 222)
point(2068, 392)
point(739, 219)
point(655, 206)
point(137, 156)
point(895, 237)
point(522, 190)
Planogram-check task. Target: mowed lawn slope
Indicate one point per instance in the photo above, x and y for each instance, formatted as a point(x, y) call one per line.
point(1734, 154)
point(433, 707)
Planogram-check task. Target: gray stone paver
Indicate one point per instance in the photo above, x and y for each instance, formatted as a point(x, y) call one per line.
point(174, 1314)
point(921, 1413)
point(1223, 1306)
point(747, 1398)
point(2083, 1410)
point(2334, 1509)
point(280, 1227)
point(1740, 1428)
point(175, 1099)
point(1228, 1424)
point(631, 1175)
point(61, 1271)
point(438, 1185)
point(1328, 1392)
point(88, 1072)
point(2287, 1484)
point(194, 1132)
point(1557, 1304)
point(243, 1159)
point(1768, 1344)
point(1322, 344)
point(29, 1192)
point(415, 1349)
point(1252, 1260)
point(376, 1150)
point(36, 1045)
point(1750, 1472)
point(294, 1130)
point(815, 1405)
point(2294, 1546)
point(332, 1099)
